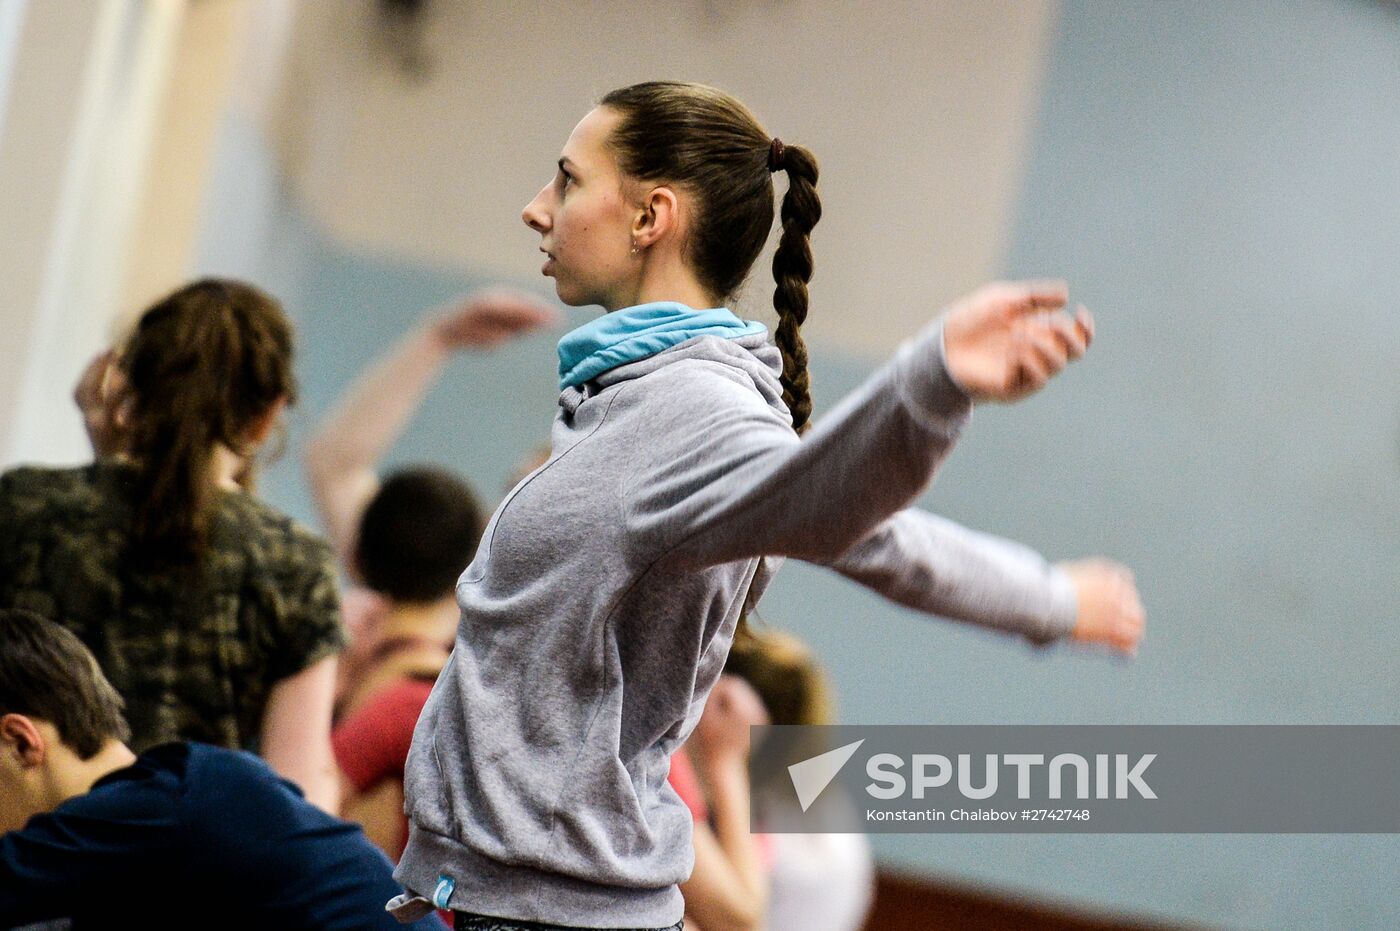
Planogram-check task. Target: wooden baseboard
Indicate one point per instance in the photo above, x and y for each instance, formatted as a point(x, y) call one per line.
point(904, 903)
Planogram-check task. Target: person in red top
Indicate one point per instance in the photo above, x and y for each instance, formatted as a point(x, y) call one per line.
point(728, 888)
point(371, 746)
point(405, 539)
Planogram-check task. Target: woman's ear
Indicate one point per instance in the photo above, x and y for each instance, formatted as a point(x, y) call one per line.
point(659, 217)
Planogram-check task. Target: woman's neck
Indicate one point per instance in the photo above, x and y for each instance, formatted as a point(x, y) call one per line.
point(436, 620)
point(227, 466)
point(662, 280)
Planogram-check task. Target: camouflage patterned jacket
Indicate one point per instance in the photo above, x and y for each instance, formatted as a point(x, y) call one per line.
point(196, 651)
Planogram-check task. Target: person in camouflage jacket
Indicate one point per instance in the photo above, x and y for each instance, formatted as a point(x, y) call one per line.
point(216, 617)
point(194, 654)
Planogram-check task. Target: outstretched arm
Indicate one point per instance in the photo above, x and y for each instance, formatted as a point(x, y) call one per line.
point(1007, 339)
point(934, 565)
point(732, 480)
point(343, 454)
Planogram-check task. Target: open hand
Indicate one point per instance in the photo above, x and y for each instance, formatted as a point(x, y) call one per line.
point(1006, 340)
point(723, 732)
point(97, 397)
point(488, 318)
point(1110, 611)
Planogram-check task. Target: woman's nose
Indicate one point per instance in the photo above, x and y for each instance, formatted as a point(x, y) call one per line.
point(534, 214)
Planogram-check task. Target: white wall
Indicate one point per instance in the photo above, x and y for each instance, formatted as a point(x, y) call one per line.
point(11, 23)
point(108, 113)
point(1207, 175)
point(918, 111)
point(78, 106)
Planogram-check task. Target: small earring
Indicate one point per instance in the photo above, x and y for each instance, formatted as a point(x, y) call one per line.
point(634, 247)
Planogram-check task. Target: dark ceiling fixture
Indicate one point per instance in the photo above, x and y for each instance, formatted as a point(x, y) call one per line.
point(403, 28)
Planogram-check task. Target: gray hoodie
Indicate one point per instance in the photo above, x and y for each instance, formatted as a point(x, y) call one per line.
point(602, 602)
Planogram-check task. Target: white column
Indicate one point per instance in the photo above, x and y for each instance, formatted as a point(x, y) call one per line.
point(85, 94)
point(213, 38)
point(11, 23)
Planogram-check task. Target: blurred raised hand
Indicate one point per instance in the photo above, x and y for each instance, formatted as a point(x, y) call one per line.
point(486, 319)
point(97, 395)
point(1005, 340)
point(1110, 610)
point(344, 452)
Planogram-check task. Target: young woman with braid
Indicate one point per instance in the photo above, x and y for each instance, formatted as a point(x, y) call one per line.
point(605, 593)
point(215, 616)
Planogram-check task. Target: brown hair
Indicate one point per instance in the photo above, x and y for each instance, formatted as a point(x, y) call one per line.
point(709, 144)
point(417, 534)
point(785, 675)
point(201, 366)
point(47, 673)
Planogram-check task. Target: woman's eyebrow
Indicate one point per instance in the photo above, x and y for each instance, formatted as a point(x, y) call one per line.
point(566, 167)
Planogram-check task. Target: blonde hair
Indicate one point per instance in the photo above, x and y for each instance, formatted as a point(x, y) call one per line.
point(784, 673)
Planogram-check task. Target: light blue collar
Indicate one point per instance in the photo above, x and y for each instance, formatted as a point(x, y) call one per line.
point(637, 332)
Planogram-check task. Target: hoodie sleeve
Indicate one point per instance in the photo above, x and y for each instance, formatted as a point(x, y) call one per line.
point(735, 482)
point(721, 476)
point(934, 565)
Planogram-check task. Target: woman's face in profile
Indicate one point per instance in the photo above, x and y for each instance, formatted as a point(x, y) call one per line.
point(584, 219)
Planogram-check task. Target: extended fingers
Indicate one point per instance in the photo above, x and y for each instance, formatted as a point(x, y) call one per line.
point(1073, 335)
point(1084, 321)
point(1131, 618)
point(1050, 340)
point(1045, 349)
point(1047, 293)
point(1033, 370)
point(512, 308)
point(1036, 294)
point(1111, 611)
point(491, 317)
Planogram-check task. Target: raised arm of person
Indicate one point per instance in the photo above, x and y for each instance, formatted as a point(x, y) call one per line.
point(934, 565)
point(731, 480)
point(343, 453)
point(728, 887)
point(835, 496)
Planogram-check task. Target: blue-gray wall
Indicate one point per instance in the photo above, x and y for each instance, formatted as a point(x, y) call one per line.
point(1219, 181)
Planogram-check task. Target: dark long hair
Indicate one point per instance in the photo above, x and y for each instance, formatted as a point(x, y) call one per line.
point(201, 366)
point(706, 142)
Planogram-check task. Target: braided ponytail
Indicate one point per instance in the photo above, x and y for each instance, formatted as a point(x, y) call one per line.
point(792, 269)
point(709, 143)
point(705, 141)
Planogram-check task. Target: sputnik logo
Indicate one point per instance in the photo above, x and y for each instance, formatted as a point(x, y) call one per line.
point(812, 776)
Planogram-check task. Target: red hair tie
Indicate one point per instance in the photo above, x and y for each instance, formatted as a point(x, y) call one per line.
point(777, 155)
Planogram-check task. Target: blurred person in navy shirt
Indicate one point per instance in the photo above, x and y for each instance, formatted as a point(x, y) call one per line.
point(183, 835)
